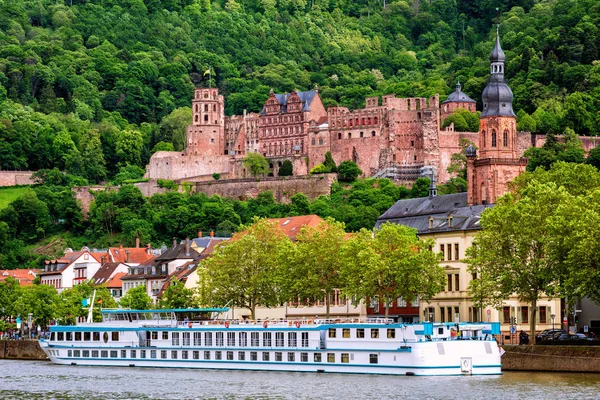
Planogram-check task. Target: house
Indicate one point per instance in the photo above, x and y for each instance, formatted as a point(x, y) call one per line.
point(109, 276)
point(73, 268)
point(25, 277)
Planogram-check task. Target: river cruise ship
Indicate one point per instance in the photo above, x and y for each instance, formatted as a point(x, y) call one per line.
point(197, 338)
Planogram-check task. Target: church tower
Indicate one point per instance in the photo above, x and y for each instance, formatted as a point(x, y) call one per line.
point(206, 134)
point(498, 163)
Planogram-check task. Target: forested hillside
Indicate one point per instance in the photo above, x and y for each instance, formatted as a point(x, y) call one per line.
point(91, 86)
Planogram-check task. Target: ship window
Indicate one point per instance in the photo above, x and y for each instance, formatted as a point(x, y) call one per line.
point(154, 335)
point(197, 338)
point(174, 354)
point(292, 339)
point(186, 339)
point(291, 357)
point(391, 333)
point(115, 336)
point(77, 336)
point(95, 353)
point(254, 339)
point(230, 355)
point(104, 354)
point(317, 357)
point(132, 354)
point(85, 353)
point(87, 336)
point(70, 353)
point(152, 353)
point(241, 355)
point(69, 336)
point(218, 355)
point(374, 333)
point(266, 339)
point(165, 335)
point(184, 354)
point(304, 339)
point(279, 339)
point(175, 338)
point(331, 357)
point(265, 356)
point(360, 333)
point(346, 333)
point(142, 353)
point(105, 337)
point(76, 353)
point(196, 355)
point(304, 357)
point(96, 336)
point(373, 359)
point(332, 332)
point(123, 353)
point(207, 355)
point(345, 358)
point(231, 339)
point(243, 339)
point(278, 356)
point(253, 355)
point(208, 339)
point(163, 354)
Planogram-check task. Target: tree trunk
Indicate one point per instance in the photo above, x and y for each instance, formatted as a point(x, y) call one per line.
point(387, 308)
point(253, 312)
point(327, 305)
point(532, 321)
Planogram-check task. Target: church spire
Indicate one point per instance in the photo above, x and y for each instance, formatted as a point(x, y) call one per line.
point(497, 96)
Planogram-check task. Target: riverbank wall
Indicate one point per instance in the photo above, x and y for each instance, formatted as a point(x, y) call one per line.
point(21, 350)
point(551, 358)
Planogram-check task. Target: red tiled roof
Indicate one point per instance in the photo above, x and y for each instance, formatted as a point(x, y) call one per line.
point(291, 225)
point(136, 255)
point(105, 272)
point(115, 281)
point(24, 276)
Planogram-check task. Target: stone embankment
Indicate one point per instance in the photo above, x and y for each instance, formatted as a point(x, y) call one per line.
point(551, 358)
point(21, 350)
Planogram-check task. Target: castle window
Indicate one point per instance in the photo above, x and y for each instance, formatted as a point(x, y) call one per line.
point(205, 107)
point(313, 142)
point(373, 133)
point(212, 140)
point(196, 118)
point(206, 118)
point(419, 115)
point(349, 135)
point(339, 135)
point(361, 134)
point(493, 138)
point(375, 121)
point(214, 107)
point(412, 143)
point(320, 141)
point(505, 139)
point(483, 135)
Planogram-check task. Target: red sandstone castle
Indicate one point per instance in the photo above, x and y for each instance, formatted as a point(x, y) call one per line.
point(395, 138)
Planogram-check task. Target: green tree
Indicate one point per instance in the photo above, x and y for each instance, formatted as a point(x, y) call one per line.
point(512, 251)
point(329, 164)
point(310, 269)
point(286, 169)
point(390, 264)
point(458, 161)
point(162, 146)
point(300, 204)
point(348, 171)
point(177, 296)
point(256, 164)
point(243, 272)
point(137, 299)
point(593, 158)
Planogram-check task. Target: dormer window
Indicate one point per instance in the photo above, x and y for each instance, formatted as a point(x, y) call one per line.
point(430, 222)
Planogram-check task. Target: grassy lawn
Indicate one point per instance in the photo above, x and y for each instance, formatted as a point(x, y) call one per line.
point(9, 194)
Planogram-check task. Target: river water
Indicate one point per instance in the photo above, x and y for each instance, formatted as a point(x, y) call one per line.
point(43, 380)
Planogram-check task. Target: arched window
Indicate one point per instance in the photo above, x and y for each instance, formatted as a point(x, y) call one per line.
point(206, 108)
point(373, 133)
point(320, 141)
point(375, 121)
point(505, 141)
point(361, 134)
point(484, 140)
point(313, 141)
point(493, 138)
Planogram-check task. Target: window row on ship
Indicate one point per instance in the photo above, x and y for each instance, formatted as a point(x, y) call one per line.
point(317, 357)
point(232, 338)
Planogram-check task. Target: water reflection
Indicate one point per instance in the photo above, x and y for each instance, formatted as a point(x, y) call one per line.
point(42, 380)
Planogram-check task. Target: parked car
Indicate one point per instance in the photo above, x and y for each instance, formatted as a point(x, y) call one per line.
point(548, 334)
point(571, 336)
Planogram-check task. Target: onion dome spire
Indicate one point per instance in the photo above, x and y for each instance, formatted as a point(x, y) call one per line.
point(497, 96)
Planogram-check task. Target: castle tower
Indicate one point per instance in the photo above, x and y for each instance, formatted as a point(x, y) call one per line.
point(457, 99)
point(498, 163)
point(206, 135)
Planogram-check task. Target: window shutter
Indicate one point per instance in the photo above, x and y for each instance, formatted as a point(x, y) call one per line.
point(537, 315)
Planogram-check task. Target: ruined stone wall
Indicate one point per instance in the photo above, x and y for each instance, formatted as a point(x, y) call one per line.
point(12, 178)
point(174, 165)
point(283, 189)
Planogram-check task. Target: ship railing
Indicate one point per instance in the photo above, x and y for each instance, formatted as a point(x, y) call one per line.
point(287, 322)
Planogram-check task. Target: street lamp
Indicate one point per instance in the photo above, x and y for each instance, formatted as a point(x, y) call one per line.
point(552, 316)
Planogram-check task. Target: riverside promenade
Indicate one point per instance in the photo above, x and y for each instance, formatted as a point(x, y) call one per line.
point(516, 358)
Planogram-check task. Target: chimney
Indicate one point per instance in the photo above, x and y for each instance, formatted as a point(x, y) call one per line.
point(212, 233)
point(137, 242)
point(126, 256)
point(199, 234)
point(149, 249)
point(174, 242)
point(187, 246)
